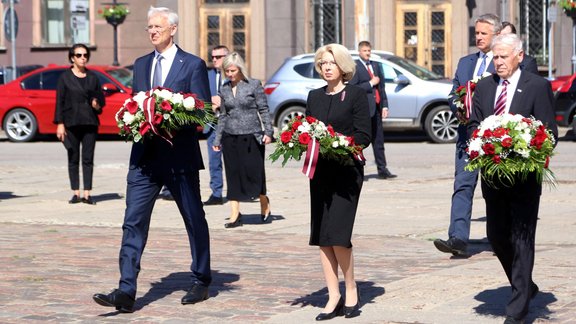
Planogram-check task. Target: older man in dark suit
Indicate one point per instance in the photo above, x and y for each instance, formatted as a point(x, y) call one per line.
point(155, 163)
point(369, 76)
point(512, 211)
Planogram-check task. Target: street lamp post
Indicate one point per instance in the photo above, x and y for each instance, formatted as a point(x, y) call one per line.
point(115, 21)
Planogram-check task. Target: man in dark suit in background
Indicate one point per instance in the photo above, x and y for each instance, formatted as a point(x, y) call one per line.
point(154, 163)
point(370, 77)
point(215, 157)
point(474, 65)
point(528, 63)
point(512, 211)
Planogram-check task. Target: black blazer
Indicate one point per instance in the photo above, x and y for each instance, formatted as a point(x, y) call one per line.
point(362, 79)
point(346, 111)
point(533, 97)
point(74, 99)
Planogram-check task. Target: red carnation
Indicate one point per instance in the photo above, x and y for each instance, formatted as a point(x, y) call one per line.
point(286, 136)
point(132, 106)
point(496, 159)
point(144, 128)
point(487, 133)
point(507, 142)
point(157, 119)
point(304, 138)
point(310, 119)
point(489, 148)
point(350, 140)
point(166, 106)
point(474, 154)
point(475, 133)
point(460, 88)
point(296, 125)
point(499, 132)
point(330, 130)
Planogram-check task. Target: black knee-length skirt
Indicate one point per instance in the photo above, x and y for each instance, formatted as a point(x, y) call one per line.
point(334, 194)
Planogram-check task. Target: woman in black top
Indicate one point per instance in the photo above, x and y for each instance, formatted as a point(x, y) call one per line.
point(79, 101)
point(335, 188)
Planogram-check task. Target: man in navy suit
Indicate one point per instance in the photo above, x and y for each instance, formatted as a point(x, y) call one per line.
point(155, 162)
point(369, 76)
point(512, 210)
point(215, 157)
point(486, 27)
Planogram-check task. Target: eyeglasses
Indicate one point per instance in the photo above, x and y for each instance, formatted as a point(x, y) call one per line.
point(155, 29)
point(218, 56)
point(329, 63)
point(79, 55)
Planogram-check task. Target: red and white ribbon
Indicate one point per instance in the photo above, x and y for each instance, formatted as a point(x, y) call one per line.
point(311, 158)
point(149, 112)
point(468, 99)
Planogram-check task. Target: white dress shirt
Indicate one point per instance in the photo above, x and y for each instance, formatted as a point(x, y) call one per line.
point(166, 62)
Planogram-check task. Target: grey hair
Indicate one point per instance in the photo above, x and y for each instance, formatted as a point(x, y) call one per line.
point(511, 40)
point(169, 13)
point(491, 19)
point(235, 59)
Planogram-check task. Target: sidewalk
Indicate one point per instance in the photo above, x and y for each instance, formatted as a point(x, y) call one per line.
point(56, 255)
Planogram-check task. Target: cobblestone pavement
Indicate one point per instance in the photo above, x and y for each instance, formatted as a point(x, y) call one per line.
point(54, 255)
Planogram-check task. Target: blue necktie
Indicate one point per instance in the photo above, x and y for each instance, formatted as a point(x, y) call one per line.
point(157, 79)
point(482, 66)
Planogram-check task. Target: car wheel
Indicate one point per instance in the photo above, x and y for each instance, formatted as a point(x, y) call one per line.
point(20, 125)
point(441, 125)
point(287, 114)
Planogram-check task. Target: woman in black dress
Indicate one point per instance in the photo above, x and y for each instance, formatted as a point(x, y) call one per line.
point(79, 101)
point(335, 188)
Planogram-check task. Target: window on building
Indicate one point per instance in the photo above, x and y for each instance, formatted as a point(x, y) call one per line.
point(327, 24)
point(65, 22)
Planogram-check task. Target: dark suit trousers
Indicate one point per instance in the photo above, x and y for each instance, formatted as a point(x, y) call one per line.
point(511, 229)
point(144, 184)
point(378, 141)
point(463, 195)
point(85, 136)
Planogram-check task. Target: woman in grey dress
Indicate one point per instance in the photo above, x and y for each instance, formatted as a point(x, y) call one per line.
point(244, 127)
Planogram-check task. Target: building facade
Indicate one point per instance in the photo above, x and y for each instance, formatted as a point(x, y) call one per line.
point(433, 33)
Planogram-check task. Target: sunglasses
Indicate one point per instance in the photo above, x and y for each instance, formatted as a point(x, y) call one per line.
point(79, 55)
point(218, 56)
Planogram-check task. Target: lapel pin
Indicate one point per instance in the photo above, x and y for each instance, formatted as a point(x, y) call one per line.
point(518, 90)
point(181, 61)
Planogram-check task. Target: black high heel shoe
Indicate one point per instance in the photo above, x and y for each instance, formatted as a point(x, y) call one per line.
point(338, 311)
point(353, 311)
point(236, 223)
point(266, 218)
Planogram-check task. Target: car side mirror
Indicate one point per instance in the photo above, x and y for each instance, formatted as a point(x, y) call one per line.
point(401, 80)
point(109, 89)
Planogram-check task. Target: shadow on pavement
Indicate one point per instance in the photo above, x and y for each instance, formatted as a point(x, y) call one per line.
point(495, 300)
point(8, 195)
point(368, 292)
point(106, 196)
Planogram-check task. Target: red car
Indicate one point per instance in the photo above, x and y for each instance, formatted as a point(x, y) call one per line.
point(28, 103)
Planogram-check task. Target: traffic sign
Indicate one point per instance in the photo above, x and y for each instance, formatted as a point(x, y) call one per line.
point(7, 23)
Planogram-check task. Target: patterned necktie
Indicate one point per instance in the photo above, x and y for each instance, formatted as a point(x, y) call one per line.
point(500, 106)
point(482, 67)
point(376, 91)
point(157, 79)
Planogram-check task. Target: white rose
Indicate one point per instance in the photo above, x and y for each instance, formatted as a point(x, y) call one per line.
point(290, 144)
point(166, 116)
point(177, 99)
point(476, 145)
point(164, 94)
point(140, 97)
point(335, 144)
point(128, 118)
point(189, 103)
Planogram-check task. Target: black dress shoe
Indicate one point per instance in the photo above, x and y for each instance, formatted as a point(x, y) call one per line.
point(123, 302)
point(88, 200)
point(74, 200)
point(195, 295)
point(214, 201)
point(353, 311)
point(386, 174)
point(453, 245)
point(512, 320)
point(338, 311)
point(236, 223)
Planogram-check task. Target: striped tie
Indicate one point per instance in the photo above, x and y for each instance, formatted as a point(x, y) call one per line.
point(500, 106)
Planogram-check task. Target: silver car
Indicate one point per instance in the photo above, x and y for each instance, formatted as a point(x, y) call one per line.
point(417, 97)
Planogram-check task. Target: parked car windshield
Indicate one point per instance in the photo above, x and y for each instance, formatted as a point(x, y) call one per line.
point(415, 69)
point(123, 75)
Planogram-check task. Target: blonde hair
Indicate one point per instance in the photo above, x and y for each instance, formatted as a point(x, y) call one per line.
point(342, 57)
point(235, 59)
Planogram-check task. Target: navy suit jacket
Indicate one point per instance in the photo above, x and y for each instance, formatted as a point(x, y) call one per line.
point(465, 73)
point(533, 97)
point(362, 79)
point(212, 80)
point(188, 74)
